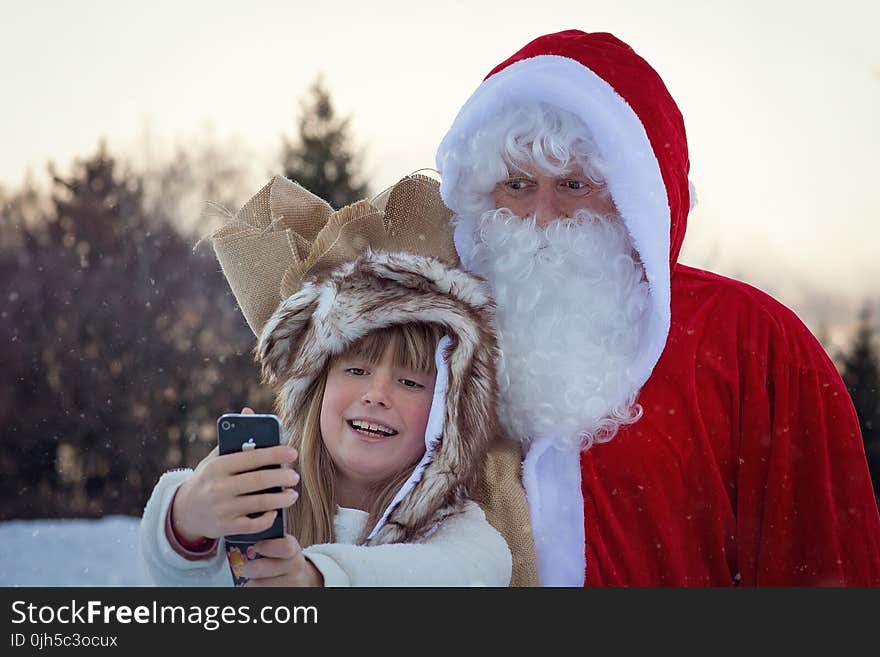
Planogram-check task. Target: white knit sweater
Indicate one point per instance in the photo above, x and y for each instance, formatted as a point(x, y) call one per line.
point(465, 550)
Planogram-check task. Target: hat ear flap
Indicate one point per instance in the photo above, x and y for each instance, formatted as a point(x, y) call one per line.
point(281, 339)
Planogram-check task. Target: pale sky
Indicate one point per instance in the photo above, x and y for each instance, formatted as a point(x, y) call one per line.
point(781, 100)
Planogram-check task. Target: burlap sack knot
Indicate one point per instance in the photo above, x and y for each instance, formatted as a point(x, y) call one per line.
point(285, 235)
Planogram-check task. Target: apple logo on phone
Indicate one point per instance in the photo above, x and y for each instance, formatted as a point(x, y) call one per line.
point(248, 446)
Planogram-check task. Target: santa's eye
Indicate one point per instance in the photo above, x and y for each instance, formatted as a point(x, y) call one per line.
point(577, 187)
point(516, 184)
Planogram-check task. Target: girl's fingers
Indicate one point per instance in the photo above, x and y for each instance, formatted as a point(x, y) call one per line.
point(251, 482)
point(265, 568)
point(285, 547)
point(245, 504)
point(256, 458)
point(245, 525)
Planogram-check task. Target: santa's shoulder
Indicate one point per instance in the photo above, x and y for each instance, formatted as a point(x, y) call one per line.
point(722, 309)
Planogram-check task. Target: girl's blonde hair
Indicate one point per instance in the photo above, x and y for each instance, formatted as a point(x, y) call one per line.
point(310, 518)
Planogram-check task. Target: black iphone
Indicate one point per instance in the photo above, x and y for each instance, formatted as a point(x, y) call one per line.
point(236, 433)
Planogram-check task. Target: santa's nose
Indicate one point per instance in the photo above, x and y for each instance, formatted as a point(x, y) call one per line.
point(547, 206)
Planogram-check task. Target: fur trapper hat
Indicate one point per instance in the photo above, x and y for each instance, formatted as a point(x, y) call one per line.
point(380, 290)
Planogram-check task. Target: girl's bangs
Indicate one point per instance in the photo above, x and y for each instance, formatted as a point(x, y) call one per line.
point(414, 346)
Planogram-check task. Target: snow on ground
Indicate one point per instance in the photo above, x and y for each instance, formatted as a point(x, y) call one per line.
point(72, 553)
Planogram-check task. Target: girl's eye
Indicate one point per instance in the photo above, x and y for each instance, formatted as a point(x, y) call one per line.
point(409, 383)
point(356, 371)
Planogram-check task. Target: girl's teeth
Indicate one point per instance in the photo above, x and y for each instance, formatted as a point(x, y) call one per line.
point(373, 428)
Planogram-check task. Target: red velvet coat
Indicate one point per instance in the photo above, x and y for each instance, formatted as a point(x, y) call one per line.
point(748, 466)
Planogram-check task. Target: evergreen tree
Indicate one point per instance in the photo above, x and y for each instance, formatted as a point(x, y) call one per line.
point(119, 347)
point(861, 373)
point(322, 160)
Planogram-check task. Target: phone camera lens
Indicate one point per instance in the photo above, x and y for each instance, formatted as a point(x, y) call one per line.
point(225, 425)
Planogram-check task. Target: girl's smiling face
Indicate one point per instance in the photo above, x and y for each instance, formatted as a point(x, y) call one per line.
point(373, 420)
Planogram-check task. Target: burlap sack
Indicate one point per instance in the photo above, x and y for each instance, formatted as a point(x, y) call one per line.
point(503, 498)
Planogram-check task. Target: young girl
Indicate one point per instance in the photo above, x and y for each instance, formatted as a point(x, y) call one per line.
point(385, 376)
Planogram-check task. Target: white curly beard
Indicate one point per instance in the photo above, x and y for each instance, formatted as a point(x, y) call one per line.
point(570, 300)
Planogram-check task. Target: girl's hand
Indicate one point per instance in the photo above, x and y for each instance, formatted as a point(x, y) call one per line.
point(214, 502)
point(281, 563)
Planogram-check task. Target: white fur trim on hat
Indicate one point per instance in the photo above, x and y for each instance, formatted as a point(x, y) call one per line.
point(631, 167)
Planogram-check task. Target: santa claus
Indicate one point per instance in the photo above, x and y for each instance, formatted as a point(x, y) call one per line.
point(678, 427)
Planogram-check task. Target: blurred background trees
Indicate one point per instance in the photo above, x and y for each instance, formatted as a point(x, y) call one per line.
point(121, 343)
point(860, 368)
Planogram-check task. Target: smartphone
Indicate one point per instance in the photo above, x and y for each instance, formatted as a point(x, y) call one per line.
point(236, 433)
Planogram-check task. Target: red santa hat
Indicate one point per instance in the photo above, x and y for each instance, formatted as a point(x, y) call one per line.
point(636, 127)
